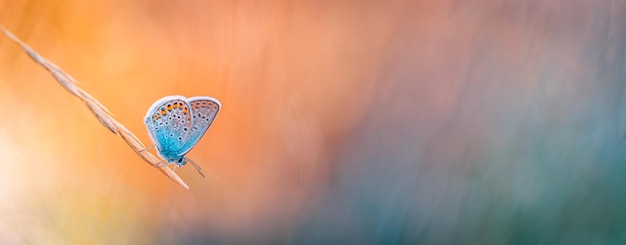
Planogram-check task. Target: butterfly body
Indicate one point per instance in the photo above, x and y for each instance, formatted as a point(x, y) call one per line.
point(176, 124)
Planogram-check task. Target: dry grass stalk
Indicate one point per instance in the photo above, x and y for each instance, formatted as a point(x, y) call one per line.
point(98, 110)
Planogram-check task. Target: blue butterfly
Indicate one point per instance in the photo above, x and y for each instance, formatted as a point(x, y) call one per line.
point(176, 124)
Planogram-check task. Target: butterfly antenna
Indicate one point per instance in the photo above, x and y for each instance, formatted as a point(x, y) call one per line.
point(196, 166)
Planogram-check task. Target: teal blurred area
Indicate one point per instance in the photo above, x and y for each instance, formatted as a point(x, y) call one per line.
point(344, 122)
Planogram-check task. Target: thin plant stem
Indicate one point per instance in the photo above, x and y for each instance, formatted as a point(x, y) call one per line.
point(98, 110)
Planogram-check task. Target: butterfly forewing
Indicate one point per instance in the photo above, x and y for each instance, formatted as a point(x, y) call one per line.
point(203, 112)
point(169, 123)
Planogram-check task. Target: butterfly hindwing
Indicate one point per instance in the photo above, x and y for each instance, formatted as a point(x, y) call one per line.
point(203, 110)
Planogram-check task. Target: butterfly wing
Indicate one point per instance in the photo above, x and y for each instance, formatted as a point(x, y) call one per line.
point(203, 111)
point(169, 122)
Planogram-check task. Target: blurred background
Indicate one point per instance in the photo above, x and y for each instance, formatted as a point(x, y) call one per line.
point(343, 122)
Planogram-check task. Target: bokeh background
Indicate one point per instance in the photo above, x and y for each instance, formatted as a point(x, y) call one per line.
point(343, 122)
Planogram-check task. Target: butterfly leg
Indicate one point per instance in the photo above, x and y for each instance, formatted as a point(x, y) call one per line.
point(161, 164)
point(147, 149)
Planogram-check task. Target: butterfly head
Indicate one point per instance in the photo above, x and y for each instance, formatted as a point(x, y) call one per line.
point(181, 161)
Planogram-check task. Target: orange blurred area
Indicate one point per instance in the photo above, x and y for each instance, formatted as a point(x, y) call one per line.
point(279, 69)
point(343, 122)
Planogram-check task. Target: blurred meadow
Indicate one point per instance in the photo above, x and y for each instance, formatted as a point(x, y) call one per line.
point(343, 122)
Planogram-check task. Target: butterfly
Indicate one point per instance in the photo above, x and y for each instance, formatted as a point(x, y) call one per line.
point(176, 124)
